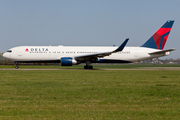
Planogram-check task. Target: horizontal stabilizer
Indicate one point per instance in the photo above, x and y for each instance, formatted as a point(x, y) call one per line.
point(162, 52)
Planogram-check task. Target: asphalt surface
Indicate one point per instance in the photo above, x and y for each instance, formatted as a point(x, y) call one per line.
point(141, 68)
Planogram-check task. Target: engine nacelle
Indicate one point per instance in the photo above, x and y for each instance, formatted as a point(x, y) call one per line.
point(68, 61)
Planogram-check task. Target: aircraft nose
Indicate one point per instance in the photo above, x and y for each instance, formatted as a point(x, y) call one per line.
point(5, 55)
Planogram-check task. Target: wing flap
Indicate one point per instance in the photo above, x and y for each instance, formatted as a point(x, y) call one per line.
point(92, 56)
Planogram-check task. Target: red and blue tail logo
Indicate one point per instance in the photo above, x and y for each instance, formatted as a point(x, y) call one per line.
point(158, 40)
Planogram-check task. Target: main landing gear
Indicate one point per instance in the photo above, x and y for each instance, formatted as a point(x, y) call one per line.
point(16, 63)
point(88, 66)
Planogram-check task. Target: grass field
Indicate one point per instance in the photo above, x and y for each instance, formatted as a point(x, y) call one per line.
point(95, 66)
point(89, 94)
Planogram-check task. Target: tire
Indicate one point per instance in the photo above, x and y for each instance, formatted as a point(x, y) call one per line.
point(86, 67)
point(90, 67)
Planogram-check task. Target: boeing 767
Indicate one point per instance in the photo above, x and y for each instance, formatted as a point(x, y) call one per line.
point(74, 55)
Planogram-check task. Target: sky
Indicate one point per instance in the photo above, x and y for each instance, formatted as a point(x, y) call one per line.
point(86, 22)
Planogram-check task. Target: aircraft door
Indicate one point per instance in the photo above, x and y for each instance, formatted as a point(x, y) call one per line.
point(19, 53)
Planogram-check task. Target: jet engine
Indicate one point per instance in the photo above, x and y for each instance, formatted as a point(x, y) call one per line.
point(68, 61)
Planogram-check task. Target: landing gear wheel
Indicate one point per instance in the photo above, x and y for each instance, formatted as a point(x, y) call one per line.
point(88, 67)
point(16, 67)
point(16, 63)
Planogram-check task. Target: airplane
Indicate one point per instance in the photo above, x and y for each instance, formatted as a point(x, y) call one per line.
point(74, 55)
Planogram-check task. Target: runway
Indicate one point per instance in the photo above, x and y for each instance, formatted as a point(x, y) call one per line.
point(141, 68)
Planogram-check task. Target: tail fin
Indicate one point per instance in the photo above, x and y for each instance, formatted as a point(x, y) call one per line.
point(158, 40)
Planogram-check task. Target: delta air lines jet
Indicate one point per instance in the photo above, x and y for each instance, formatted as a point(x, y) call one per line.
point(74, 55)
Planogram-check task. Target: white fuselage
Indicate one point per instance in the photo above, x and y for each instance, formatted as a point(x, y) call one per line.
point(55, 53)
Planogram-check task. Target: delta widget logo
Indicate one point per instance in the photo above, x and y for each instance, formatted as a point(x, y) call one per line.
point(160, 37)
point(26, 50)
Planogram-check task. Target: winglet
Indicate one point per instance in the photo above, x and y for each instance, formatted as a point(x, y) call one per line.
point(121, 47)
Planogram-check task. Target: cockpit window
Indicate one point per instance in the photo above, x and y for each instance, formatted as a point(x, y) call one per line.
point(9, 51)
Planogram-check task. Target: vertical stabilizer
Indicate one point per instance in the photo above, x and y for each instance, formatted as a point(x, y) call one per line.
point(158, 40)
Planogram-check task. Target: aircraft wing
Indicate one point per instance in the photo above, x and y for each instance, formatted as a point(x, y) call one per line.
point(100, 55)
point(162, 52)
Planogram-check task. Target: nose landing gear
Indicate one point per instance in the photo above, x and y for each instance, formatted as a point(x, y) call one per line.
point(16, 63)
